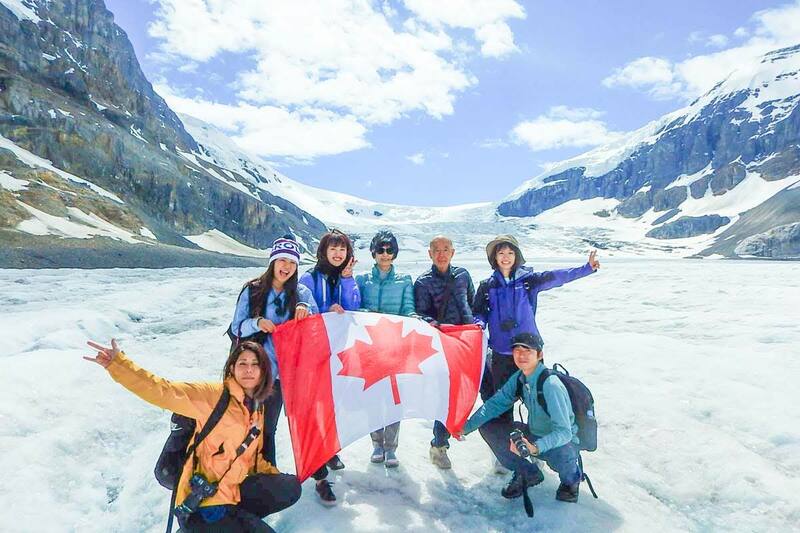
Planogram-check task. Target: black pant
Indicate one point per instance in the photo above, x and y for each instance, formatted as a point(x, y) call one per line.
point(261, 495)
point(499, 369)
point(272, 411)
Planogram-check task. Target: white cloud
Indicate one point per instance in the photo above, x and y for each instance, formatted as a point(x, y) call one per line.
point(493, 143)
point(361, 60)
point(563, 127)
point(417, 159)
point(487, 18)
point(272, 131)
point(653, 74)
point(717, 41)
point(660, 78)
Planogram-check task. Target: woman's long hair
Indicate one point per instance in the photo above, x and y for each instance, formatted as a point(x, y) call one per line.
point(260, 287)
point(264, 388)
point(333, 238)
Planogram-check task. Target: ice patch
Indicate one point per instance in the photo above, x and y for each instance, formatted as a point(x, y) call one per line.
point(22, 10)
point(10, 183)
point(216, 241)
point(78, 225)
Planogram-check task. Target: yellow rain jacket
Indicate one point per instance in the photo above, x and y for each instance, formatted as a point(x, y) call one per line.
point(217, 451)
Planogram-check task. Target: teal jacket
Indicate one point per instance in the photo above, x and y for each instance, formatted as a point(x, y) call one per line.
point(393, 295)
point(553, 431)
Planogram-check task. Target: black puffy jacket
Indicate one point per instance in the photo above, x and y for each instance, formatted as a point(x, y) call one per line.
point(430, 288)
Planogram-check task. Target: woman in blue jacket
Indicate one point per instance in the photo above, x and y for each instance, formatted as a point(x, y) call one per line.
point(507, 303)
point(334, 289)
point(385, 291)
point(266, 301)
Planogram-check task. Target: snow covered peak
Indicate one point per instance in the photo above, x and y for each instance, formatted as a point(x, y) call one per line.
point(769, 82)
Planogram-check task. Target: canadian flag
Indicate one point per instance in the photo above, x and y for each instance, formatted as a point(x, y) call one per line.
point(344, 375)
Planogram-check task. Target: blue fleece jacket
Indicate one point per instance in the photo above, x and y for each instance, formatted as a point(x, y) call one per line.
point(499, 301)
point(345, 292)
point(245, 326)
point(553, 431)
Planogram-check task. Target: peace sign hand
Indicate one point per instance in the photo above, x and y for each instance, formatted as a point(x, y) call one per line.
point(347, 272)
point(104, 355)
point(593, 261)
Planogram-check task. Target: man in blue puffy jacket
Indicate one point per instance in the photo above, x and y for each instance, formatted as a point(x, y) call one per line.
point(551, 437)
point(443, 295)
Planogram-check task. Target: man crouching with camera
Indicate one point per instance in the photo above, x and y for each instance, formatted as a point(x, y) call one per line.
point(551, 438)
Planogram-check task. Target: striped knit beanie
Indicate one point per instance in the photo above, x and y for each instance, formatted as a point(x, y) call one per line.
point(284, 248)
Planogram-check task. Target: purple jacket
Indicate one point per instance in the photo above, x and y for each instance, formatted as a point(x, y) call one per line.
point(344, 292)
point(510, 308)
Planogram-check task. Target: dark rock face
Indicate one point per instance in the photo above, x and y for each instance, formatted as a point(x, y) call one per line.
point(72, 91)
point(689, 227)
point(666, 216)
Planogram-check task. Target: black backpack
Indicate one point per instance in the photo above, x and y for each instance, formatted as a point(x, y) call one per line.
point(582, 404)
point(177, 450)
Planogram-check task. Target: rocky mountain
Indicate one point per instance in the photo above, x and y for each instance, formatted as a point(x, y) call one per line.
point(719, 177)
point(89, 151)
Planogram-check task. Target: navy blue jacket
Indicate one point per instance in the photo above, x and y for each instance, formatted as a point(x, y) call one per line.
point(429, 290)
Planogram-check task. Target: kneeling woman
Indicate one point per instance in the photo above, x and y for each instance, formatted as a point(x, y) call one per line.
point(249, 487)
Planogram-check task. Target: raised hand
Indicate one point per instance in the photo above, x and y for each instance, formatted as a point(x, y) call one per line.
point(347, 272)
point(336, 308)
point(104, 354)
point(593, 261)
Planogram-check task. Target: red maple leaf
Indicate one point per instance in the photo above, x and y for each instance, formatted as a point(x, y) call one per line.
point(389, 354)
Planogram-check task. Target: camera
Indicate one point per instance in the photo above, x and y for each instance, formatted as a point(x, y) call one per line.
point(508, 324)
point(201, 489)
point(522, 448)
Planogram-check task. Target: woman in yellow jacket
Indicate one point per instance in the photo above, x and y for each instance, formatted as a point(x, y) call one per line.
point(249, 487)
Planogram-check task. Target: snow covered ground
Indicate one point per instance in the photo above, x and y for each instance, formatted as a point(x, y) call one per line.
point(694, 365)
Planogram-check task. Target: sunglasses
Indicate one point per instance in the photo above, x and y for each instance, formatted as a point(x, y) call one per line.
point(385, 250)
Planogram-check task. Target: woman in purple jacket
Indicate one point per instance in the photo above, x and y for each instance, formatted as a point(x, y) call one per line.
point(334, 289)
point(507, 301)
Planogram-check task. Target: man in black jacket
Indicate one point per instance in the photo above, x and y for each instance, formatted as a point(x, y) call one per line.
point(443, 295)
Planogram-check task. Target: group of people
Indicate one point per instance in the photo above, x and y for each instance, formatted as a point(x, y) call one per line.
point(238, 457)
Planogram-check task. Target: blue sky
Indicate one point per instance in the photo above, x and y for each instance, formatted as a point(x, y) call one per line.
point(438, 102)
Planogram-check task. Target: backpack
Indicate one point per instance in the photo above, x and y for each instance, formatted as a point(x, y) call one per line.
point(176, 451)
point(582, 404)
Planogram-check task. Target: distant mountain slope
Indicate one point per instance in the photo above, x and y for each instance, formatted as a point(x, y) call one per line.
point(89, 151)
point(706, 177)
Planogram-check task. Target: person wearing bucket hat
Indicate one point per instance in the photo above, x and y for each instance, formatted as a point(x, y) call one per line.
point(264, 302)
point(506, 302)
point(383, 290)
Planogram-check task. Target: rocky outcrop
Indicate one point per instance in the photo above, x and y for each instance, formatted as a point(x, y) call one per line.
point(72, 92)
point(782, 242)
point(688, 227)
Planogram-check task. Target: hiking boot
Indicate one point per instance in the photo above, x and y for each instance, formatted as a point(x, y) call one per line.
point(568, 493)
point(499, 469)
point(325, 493)
point(519, 482)
point(391, 460)
point(439, 457)
point(378, 455)
point(334, 463)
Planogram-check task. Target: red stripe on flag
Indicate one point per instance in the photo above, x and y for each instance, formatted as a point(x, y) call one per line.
point(304, 355)
point(463, 350)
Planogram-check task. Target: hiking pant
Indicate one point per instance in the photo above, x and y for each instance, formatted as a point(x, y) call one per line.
point(386, 438)
point(440, 435)
point(272, 411)
point(499, 369)
point(261, 495)
point(562, 460)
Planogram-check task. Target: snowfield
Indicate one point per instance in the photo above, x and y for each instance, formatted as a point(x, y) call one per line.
point(694, 366)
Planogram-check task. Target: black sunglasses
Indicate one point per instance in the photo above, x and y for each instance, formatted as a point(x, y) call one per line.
point(385, 250)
